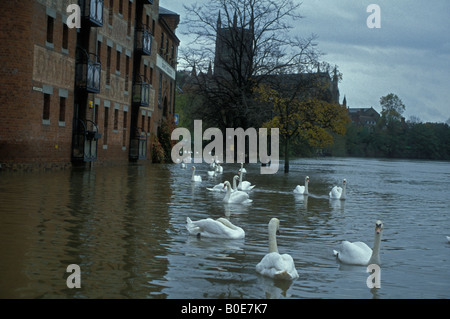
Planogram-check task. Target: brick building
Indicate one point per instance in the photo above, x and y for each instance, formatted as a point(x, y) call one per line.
point(79, 95)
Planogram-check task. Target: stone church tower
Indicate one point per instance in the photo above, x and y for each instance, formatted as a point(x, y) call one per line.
point(234, 47)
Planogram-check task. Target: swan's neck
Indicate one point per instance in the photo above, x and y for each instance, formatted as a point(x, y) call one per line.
point(306, 187)
point(234, 183)
point(193, 172)
point(240, 177)
point(375, 258)
point(343, 194)
point(228, 188)
point(227, 196)
point(227, 223)
point(273, 247)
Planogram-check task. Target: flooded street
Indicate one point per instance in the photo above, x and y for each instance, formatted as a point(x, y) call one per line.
point(125, 227)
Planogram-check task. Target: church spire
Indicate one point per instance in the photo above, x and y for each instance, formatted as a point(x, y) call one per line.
point(219, 22)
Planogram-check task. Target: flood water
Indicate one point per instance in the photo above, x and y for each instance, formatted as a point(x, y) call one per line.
point(125, 227)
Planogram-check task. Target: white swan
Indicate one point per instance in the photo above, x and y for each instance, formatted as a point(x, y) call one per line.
point(273, 264)
point(358, 253)
point(302, 189)
point(219, 228)
point(244, 185)
point(183, 165)
point(448, 239)
point(219, 169)
point(237, 196)
point(338, 192)
point(195, 178)
point(221, 186)
point(242, 169)
point(212, 173)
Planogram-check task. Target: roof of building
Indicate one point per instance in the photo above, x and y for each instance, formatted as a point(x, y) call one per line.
point(165, 11)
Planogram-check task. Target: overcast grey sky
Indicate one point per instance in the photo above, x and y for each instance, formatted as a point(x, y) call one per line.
point(409, 55)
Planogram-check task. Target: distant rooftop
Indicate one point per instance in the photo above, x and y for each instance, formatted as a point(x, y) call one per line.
point(166, 11)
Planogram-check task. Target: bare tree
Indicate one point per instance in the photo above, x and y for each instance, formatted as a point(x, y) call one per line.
point(237, 45)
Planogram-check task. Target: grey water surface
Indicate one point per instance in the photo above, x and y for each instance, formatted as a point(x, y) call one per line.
point(125, 228)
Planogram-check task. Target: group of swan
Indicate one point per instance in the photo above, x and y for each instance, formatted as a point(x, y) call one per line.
point(282, 266)
point(273, 265)
point(235, 197)
point(336, 192)
point(218, 169)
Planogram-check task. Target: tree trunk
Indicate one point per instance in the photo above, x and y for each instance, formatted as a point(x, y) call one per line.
point(286, 156)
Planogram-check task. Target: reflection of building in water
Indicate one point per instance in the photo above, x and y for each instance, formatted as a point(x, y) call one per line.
point(96, 93)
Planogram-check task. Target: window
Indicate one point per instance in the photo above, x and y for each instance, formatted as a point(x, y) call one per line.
point(124, 136)
point(170, 97)
point(116, 119)
point(143, 122)
point(46, 109)
point(108, 66)
point(151, 76)
point(166, 52)
point(118, 61)
point(129, 21)
point(50, 25)
point(111, 12)
point(96, 107)
point(148, 123)
point(99, 51)
point(65, 39)
point(160, 90)
point(121, 7)
point(105, 126)
point(62, 109)
point(127, 72)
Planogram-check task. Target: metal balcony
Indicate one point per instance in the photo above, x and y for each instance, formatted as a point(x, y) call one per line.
point(138, 145)
point(88, 71)
point(141, 92)
point(92, 12)
point(144, 40)
point(85, 139)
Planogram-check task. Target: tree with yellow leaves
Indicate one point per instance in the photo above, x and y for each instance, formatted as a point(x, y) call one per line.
point(298, 118)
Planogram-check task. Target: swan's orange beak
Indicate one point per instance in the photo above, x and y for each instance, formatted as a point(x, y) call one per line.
point(378, 229)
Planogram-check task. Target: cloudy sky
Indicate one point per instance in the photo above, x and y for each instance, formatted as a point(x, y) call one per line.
point(409, 55)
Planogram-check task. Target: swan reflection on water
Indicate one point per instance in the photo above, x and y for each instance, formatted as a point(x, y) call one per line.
point(273, 288)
